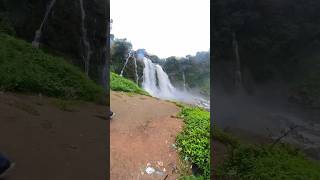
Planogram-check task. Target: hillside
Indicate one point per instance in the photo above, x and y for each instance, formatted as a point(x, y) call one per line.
point(26, 69)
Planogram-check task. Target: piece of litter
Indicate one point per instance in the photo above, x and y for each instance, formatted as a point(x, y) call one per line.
point(148, 164)
point(164, 169)
point(160, 163)
point(150, 170)
point(174, 146)
point(159, 173)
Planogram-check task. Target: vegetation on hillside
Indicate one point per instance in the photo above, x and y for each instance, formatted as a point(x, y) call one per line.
point(244, 160)
point(196, 71)
point(24, 68)
point(119, 83)
point(282, 161)
point(194, 141)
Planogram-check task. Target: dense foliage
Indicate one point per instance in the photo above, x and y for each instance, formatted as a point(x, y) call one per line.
point(119, 83)
point(281, 162)
point(195, 69)
point(119, 52)
point(27, 69)
point(248, 161)
point(193, 142)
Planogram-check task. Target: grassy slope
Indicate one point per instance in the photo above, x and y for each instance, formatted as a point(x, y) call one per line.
point(247, 161)
point(193, 142)
point(26, 69)
point(119, 83)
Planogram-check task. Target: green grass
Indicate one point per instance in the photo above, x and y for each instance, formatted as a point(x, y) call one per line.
point(192, 178)
point(250, 162)
point(193, 142)
point(283, 162)
point(24, 68)
point(119, 83)
point(245, 161)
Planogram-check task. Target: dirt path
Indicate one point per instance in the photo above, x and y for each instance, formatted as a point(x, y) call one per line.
point(48, 143)
point(142, 133)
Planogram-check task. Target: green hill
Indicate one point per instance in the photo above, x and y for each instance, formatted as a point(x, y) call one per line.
point(119, 83)
point(26, 69)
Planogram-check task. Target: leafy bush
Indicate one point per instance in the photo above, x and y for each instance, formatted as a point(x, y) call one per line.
point(281, 162)
point(27, 69)
point(193, 141)
point(119, 83)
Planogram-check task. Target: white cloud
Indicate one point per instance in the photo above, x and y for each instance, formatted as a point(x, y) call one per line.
point(163, 27)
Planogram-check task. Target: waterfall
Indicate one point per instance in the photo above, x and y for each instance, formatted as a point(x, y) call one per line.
point(85, 41)
point(136, 70)
point(38, 33)
point(165, 86)
point(157, 83)
point(184, 81)
point(149, 77)
point(131, 55)
point(125, 64)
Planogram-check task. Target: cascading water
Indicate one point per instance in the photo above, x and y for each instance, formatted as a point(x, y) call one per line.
point(125, 64)
point(166, 89)
point(136, 69)
point(149, 77)
point(184, 81)
point(85, 41)
point(157, 83)
point(38, 33)
point(131, 55)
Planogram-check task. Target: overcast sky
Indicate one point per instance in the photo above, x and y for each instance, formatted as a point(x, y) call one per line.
point(163, 27)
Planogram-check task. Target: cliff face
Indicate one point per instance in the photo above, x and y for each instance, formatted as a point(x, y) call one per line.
point(71, 27)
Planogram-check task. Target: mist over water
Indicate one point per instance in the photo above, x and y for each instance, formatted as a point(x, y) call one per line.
point(157, 83)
